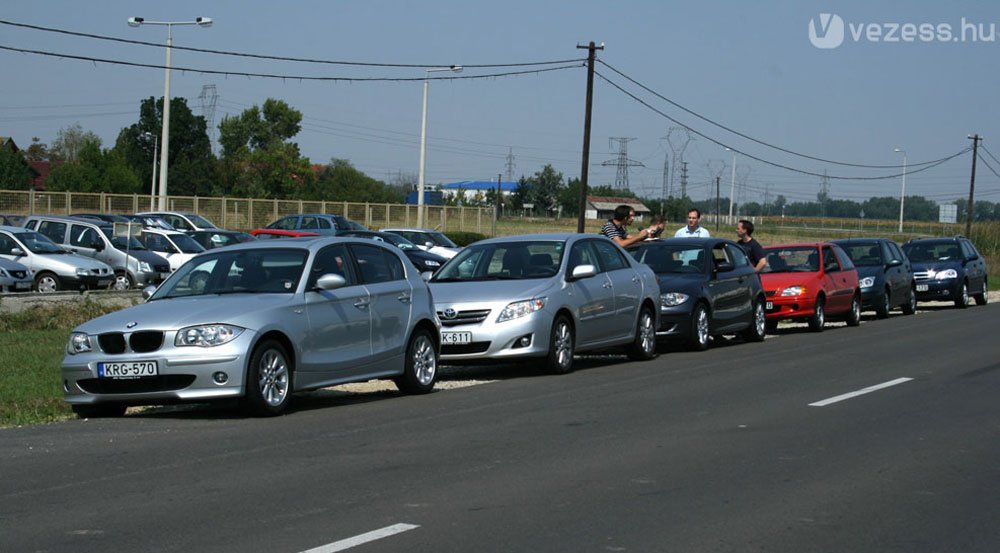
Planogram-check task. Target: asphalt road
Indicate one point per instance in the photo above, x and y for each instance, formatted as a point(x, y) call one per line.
point(692, 452)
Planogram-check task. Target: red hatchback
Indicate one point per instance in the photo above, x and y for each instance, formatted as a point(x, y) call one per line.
point(810, 282)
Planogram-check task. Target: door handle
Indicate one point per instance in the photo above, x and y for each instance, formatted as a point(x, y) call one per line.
point(606, 285)
point(635, 279)
point(362, 304)
point(404, 298)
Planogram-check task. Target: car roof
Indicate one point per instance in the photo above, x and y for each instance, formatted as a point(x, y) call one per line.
point(15, 230)
point(849, 241)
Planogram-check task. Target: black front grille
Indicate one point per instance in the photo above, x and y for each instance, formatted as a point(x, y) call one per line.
point(462, 349)
point(143, 341)
point(18, 274)
point(161, 268)
point(165, 383)
point(464, 317)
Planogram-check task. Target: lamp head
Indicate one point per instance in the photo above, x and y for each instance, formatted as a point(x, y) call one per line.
point(135, 21)
point(456, 68)
point(203, 21)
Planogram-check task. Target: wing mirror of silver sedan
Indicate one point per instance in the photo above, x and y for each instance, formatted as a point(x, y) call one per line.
point(330, 281)
point(583, 271)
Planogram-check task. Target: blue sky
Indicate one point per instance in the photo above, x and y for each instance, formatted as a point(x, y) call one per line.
point(748, 66)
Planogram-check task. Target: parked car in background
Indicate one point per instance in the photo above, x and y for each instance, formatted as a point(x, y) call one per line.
point(11, 220)
point(211, 239)
point(183, 221)
point(15, 277)
point(102, 217)
point(151, 221)
point(707, 288)
point(810, 282)
point(546, 297)
point(948, 269)
point(424, 261)
point(325, 224)
point(273, 233)
point(133, 264)
point(884, 274)
point(258, 322)
point(54, 268)
point(433, 241)
point(173, 245)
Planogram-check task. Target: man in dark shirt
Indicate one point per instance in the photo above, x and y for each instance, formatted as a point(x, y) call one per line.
point(615, 227)
point(750, 245)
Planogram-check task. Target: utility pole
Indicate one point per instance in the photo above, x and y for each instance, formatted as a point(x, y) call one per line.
point(499, 200)
point(591, 54)
point(972, 183)
point(718, 205)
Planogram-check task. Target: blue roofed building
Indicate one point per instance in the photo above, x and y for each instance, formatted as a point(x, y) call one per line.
point(469, 189)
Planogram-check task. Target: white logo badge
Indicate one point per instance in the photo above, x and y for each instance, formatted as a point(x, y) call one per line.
point(830, 33)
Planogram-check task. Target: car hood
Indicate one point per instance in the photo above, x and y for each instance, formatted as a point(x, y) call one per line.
point(936, 266)
point(489, 291)
point(148, 257)
point(772, 281)
point(876, 272)
point(246, 310)
point(680, 282)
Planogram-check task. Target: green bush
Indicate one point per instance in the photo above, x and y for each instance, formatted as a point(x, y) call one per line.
point(463, 238)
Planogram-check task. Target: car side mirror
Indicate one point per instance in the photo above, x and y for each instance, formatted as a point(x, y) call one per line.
point(147, 292)
point(16, 251)
point(583, 271)
point(724, 267)
point(894, 263)
point(331, 281)
point(97, 245)
point(429, 244)
point(426, 275)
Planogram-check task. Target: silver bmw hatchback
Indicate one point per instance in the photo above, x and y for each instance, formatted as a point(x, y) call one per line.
point(544, 296)
point(259, 321)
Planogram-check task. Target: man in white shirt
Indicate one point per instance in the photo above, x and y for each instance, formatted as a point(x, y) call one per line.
point(693, 228)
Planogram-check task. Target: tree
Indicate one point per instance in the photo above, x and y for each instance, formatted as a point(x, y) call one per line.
point(37, 151)
point(70, 141)
point(340, 181)
point(95, 171)
point(14, 173)
point(191, 166)
point(257, 158)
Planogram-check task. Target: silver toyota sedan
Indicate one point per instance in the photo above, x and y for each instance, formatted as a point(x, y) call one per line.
point(259, 321)
point(544, 296)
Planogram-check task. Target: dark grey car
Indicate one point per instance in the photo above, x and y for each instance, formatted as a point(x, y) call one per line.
point(885, 275)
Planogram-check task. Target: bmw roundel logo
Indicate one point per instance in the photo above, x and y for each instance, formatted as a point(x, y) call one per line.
point(131, 324)
point(450, 313)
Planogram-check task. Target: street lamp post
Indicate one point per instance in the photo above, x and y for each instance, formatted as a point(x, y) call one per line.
point(165, 139)
point(147, 136)
point(423, 142)
point(732, 188)
point(902, 193)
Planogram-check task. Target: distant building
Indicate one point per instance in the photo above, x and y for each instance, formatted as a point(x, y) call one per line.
point(603, 207)
point(470, 188)
point(431, 197)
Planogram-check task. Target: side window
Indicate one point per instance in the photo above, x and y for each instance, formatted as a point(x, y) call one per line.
point(611, 259)
point(896, 252)
point(53, 230)
point(737, 255)
point(323, 224)
point(582, 254)
point(373, 264)
point(309, 223)
point(178, 222)
point(332, 260)
point(888, 254)
point(83, 237)
point(968, 250)
point(31, 225)
point(830, 263)
point(288, 223)
point(159, 243)
point(6, 245)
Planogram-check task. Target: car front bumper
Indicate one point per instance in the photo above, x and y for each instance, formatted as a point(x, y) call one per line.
point(789, 307)
point(938, 290)
point(493, 341)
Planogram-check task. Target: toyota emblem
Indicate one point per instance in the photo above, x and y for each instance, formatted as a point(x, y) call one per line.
point(450, 313)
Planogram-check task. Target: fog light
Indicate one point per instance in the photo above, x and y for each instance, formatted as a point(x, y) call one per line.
point(220, 377)
point(523, 341)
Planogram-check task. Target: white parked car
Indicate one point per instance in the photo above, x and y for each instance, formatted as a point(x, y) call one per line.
point(173, 245)
point(433, 241)
point(54, 268)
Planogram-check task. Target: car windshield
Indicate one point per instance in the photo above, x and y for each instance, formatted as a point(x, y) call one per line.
point(440, 239)
point(200, 221)
point(866, 254)
point(939, 251)
point(185, 243)
point(672, 258)
point(123, 242)
point(257, 271)
point(39, 243)
point(798, 259)
point(503, 261)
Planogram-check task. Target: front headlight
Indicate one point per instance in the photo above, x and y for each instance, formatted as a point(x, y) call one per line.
point(946, 274)
point(145, 267)
point(81, 272)
point(79, 342)
point(207, 336)
point(794, 291)
point(519, 309)
point(867, 282)
point(672, 299)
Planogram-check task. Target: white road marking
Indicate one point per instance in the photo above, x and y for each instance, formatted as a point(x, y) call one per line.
point(861, 392)
point(363, 538)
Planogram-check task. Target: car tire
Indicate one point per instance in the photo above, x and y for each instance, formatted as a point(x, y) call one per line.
point(122, 282)
point(561, 344)
point(962, 300)
point(420, 365)
point(100, 410)
point(882, 306)
point(699, 337)
point(818, 319)
point(758, 324)
point(984, 297)
point(268, 386)
point(46, 282)
point(854, 315)
point(643, 347)
point(910, 307)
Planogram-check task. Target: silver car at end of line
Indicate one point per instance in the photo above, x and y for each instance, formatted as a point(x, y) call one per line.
point(259, 321)
point(544, 296)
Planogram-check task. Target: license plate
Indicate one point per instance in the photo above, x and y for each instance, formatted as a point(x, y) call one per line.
point(450, 338)
point(22, 286)
point(134, 369)
point(104, 283)
point(769, 306)
point(921, 288)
